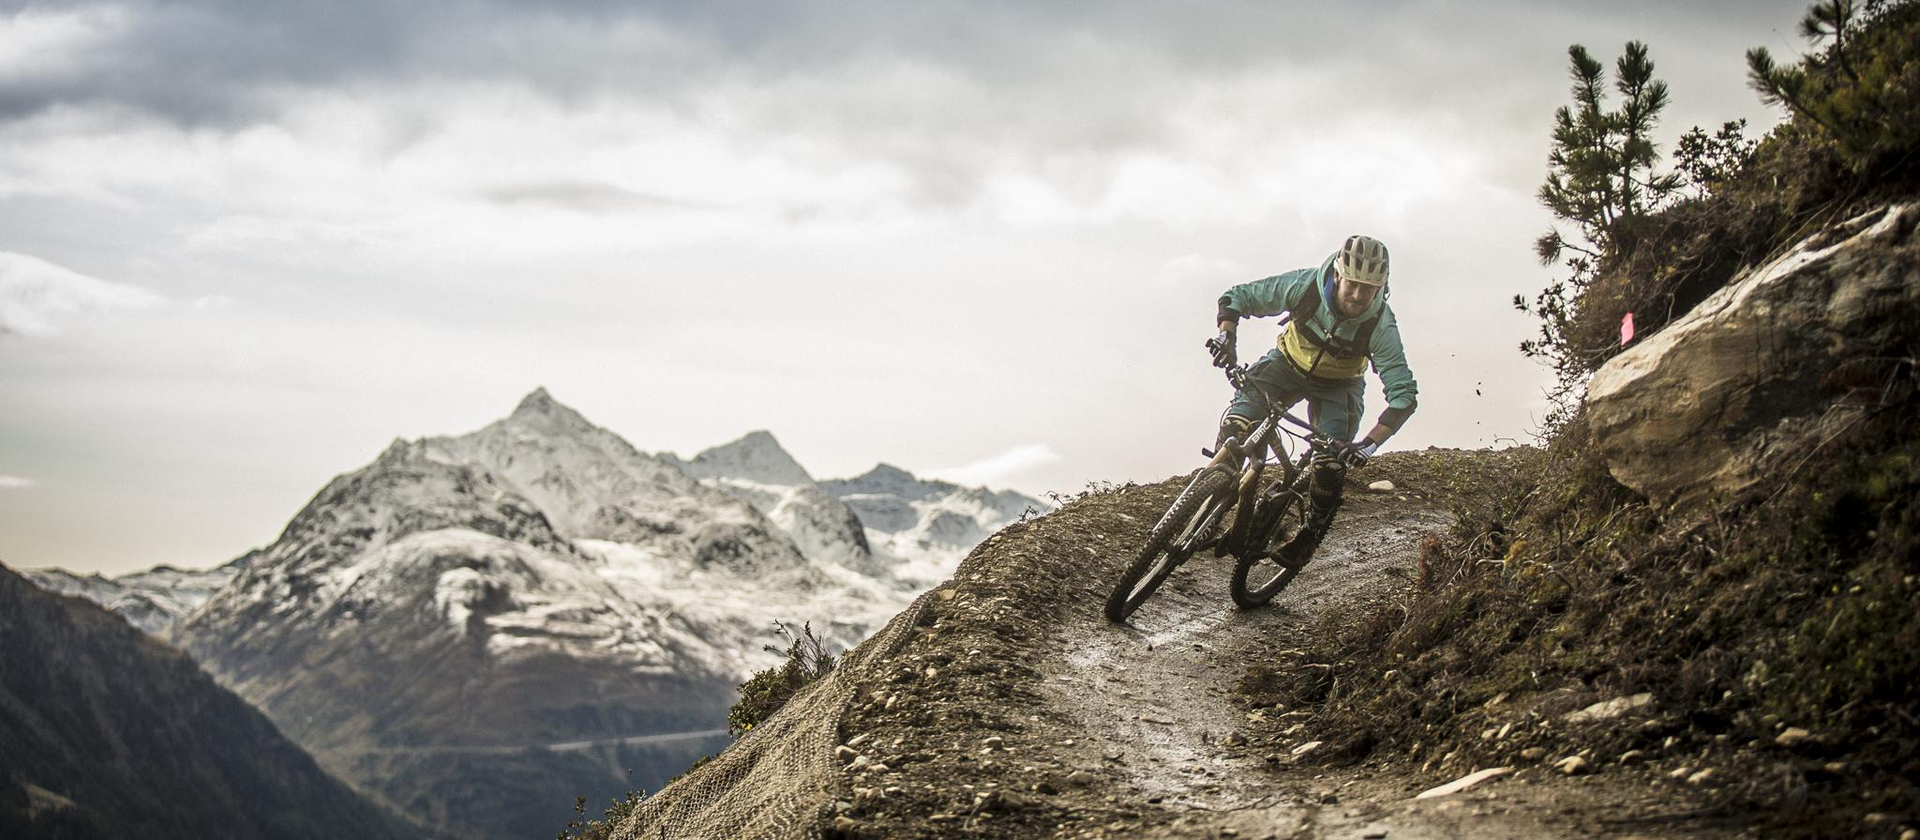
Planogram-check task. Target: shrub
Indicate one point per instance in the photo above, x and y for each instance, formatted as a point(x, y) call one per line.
point(766, 691)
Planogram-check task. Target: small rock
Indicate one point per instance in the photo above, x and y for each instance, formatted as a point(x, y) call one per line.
point(1910, 834)
point(1330, 798)
point(1305, 748)
point(946, 594)
point(859, 739)
point(1632, 756)
point(1381, 486)
point(841, 806)
point(1609, 709)
point(1680, 773)
point(845, 753)
point(994, 742)
point(844, 825)
point(860, 762)
point(1045, 787)
point(1571, 765)
point(877, 767)
point(1792, 736)
point(1701, 777)
point(1376, 834)
point(1533, 753)
point(892, 701)
point(931, 672)
point(1234, 739)
point(1079, 778)
point(1836, 767)
point(1464, 782)
point(1877, 818)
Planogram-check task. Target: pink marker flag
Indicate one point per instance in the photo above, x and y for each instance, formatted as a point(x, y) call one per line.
point(1626, 329)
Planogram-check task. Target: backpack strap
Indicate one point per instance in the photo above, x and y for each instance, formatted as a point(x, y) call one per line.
point(1309, 304)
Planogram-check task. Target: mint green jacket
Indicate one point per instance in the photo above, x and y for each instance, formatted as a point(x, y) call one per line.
point(1282, 292)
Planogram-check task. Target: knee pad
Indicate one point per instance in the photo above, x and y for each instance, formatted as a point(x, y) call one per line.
point(1329, 480)
point(1232, 425)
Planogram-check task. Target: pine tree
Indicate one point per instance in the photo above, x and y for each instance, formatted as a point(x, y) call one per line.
point(1601, 181)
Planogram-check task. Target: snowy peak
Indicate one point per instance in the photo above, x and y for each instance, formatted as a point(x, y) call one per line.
point(151, 600)
point(757, 457)
point(887, 479)
point(539, 410)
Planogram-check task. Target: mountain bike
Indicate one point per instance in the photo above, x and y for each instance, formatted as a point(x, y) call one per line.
point(1230, 484)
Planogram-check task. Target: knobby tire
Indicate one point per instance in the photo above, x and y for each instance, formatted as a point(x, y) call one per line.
point(1158, 558)
point(1248, 588)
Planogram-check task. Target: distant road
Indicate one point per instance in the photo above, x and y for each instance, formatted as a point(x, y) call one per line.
point(567, 746)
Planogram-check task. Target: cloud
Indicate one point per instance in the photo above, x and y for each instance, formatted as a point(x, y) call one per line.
point(582, 197)
point(14, 482)
point(34, 294)
point(996, 469)
point(1200, 268)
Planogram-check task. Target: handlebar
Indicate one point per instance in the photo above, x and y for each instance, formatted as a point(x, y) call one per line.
point(1241, 377)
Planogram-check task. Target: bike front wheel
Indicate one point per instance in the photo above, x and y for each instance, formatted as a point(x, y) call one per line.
point(1174, 538)
point(1256, 577)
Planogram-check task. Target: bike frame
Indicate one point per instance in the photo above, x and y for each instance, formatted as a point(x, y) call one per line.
point(1248, 458)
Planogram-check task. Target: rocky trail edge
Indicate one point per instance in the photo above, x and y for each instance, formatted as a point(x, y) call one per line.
point(1002, 704)
point(1018, 711)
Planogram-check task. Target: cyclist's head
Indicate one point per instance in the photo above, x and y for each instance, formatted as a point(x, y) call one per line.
point(1363, 259)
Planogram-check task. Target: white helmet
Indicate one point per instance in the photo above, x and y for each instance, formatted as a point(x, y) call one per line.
point(1363, 259)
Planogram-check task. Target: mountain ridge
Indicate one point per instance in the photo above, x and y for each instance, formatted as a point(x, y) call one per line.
point(422, 606)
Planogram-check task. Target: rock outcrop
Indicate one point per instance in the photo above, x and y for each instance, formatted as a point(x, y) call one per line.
point(1770, 366)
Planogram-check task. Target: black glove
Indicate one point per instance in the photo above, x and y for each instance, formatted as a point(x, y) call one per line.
point(1222, 345)
point(1358, 454)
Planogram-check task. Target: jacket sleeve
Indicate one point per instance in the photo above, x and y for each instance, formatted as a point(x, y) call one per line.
point(1268, 296)
point(1390, 364)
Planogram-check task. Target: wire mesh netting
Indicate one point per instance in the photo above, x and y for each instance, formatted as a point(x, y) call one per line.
point(780, 779)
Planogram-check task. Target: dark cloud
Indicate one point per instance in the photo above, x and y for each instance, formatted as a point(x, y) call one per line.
point(945, 91)
point(224, 61)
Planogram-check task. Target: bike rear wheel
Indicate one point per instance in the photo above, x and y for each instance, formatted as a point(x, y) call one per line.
point(1256, 577)
point(1173, 539)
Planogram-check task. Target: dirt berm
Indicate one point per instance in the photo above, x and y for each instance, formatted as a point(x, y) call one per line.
point(1002, 704)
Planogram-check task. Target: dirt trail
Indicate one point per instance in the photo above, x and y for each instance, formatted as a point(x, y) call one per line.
point(1018, 711)
point(1156, 698)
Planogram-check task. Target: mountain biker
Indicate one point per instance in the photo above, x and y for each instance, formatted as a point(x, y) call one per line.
point(1340, 320)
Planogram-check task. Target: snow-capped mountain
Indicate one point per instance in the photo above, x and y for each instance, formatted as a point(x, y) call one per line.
point(885, 523)
point(757, 470)
point(924, 527)
point(426, 618)
point(151, 600)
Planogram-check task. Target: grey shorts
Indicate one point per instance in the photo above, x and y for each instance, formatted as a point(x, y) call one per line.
point(1333, 408)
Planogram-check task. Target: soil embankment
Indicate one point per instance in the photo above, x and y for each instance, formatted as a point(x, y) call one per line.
point(1016, 710)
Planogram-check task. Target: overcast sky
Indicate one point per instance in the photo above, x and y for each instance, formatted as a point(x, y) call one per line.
point(245, 244)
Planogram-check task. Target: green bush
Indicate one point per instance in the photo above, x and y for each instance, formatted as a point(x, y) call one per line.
point(1862, 90)
point(1851, 141)
point(765, 692)
point(581, 828)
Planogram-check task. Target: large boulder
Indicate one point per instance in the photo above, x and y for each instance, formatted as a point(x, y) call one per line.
point(1744, 385)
